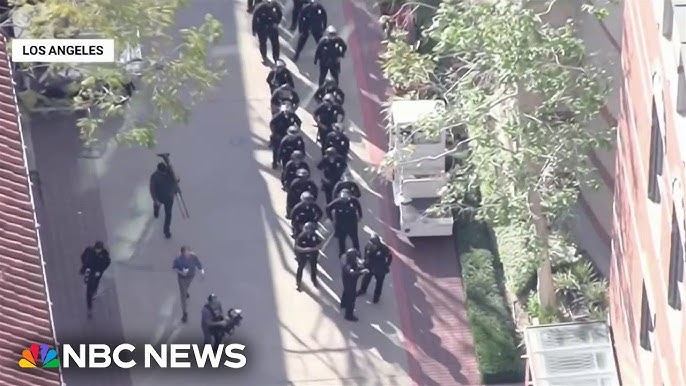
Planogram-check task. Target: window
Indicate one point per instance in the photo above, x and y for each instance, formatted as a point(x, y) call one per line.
point(676, 265)
point(646, 321)
point(656, 156)
point(668, 19)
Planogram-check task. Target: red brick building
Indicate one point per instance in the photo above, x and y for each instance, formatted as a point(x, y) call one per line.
point(648, 298)
point(25, 311)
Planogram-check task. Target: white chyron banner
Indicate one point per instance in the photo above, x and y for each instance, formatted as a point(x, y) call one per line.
point(63, 50)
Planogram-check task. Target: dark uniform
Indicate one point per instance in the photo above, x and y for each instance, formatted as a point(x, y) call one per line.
point(289, 144)
point(265, 22)
point(279, 127)
point(330, 87)
point(333, 168)
point(299, 186)
point(326, 114)
point(304, 212)
point(313, 20)
point(345, 213)
point(350, 272)
point(288, 174)
point(163, 188)
point(284, 94)
point(307, 239)
point(329, 52)
point(339, 141)
point(94, 261)
point(348, 185)
point(295, 15)
point(377, 258)
point(278, 77)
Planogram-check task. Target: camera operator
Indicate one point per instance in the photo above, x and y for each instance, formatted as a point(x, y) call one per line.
point(213, 321)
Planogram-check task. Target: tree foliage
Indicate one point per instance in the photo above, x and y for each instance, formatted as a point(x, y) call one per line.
point(526, 91)
point(174, 73)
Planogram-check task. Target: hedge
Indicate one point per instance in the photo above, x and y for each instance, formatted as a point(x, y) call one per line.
point(495, 337)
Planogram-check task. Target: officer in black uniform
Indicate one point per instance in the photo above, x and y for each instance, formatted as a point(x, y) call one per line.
point(345, 212)
point(163, 188)
point(347, 183)
point(351, 270)
point(377, 258)
point(332, 166)
point(279, 125)
point(326, 114)
point(252, 4)
point(295, 14)
point(279, 76)
point(337, 139)
point(265, 24)
point(330, 87)
point(300, 185)
point(329, 52)
point(296, 163)
point(94, 261)
point(284, 94)
point(305, 211)
point(307, 245)
point(291, 142)
point(313, 20)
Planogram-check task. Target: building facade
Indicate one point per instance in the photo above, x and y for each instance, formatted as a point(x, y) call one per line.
point(648, 298)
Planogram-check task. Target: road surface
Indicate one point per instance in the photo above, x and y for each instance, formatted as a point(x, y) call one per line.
point(238, 229)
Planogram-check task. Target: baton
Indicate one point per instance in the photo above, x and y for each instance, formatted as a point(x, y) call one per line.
point(182, 207)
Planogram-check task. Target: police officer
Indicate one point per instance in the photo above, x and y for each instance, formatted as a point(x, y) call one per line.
point(279, 125)
point(252, 4)
point(313, 20)
point(265, 24)
point(332, 166)
point(300, 185)
point(94, 261)
point(347, 183)
point(213, 321)
point(351, 270)
point(163, 188)
point(305, 211)
point(329, 52)
point(296, 163)
point(295, 14)
point(307, 245)
point(284, 94)
point(279, 76)
point(326, 114)
point(377, 258)
point(345, 212)
point(330, 87)
point(337, 139)
point(291, 142)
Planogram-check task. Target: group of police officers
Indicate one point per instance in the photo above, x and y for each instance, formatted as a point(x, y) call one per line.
point(288, 152)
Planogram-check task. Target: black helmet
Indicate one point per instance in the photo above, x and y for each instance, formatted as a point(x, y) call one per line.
point(306, 196)
point(211, 298)
point(330, 151)
point(302, 173)
point(310, 227)
point(375, 239)
point(345, 193)
point(328, 98)
point(297, 155)
point(293, 130)
point(280, 64)
point(162, 167)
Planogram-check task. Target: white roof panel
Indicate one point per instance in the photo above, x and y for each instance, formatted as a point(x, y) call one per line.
point(410, 111)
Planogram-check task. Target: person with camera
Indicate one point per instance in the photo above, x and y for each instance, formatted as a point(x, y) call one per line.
point(213, 322)
point(95, 260)
point(186, 265)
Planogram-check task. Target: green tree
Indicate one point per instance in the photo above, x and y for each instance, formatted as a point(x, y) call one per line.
point(174, 71)
point(526, 91)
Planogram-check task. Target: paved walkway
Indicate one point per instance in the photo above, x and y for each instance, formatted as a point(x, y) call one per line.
point(238, 230)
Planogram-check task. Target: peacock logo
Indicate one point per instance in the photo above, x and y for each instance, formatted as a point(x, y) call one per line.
point(48, 357)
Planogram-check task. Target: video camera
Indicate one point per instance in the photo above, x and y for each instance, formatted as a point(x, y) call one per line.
point(234, 318)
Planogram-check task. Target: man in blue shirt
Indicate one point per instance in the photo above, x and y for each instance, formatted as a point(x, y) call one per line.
point(186, 265)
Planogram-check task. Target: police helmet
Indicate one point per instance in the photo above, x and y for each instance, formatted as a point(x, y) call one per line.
point(285, 107)
point(306, 196)
point(280, 64)
point(375, 239)
point(331, 151)
point(331, 30)
point(345, 194)
point(302, 173)
point(162, 167)
point(293, 130)
point(211, 298)
point(310, 227)
point(297, 155)
point(338, 126)
point(328, 98)
point(330, 81)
